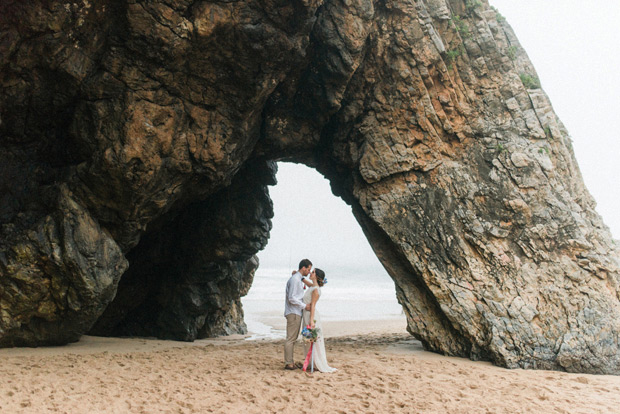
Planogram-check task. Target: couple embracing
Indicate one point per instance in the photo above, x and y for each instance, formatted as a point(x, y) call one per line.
point(301, 307)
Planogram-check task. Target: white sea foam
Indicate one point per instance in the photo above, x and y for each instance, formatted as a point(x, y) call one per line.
point(346, 297)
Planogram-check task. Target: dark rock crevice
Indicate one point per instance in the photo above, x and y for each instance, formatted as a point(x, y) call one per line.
point(188, 272)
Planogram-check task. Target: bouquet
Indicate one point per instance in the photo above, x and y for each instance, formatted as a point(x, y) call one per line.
point(310, 334)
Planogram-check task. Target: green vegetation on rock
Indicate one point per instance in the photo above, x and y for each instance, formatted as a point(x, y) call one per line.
point(529, 81)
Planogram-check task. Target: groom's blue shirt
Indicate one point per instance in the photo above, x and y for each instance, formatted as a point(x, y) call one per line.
point(294, 295)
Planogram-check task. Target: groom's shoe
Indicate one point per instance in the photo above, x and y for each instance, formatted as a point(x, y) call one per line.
point(290, 367)
point(299, 365)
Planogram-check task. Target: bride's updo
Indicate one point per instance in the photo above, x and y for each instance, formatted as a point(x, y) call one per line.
point(320, 276)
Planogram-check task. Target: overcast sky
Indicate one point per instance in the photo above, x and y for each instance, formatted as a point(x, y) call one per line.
point(573, 45)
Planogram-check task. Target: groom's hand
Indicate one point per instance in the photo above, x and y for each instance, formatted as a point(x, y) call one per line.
point(308, 307)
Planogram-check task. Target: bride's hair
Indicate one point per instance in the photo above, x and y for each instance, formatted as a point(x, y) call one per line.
point(320, 276)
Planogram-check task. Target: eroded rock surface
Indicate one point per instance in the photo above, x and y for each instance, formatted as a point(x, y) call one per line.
point(137, 138)
point(188, 273)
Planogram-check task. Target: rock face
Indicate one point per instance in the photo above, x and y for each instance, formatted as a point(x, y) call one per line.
point(137, 139)
point(188, 273)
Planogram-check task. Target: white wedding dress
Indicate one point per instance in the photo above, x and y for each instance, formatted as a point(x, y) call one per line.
point(320, 357)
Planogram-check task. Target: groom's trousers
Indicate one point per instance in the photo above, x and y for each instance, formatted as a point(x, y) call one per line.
point(293, 323)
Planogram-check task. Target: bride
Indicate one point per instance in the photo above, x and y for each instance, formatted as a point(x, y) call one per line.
point(313, 319)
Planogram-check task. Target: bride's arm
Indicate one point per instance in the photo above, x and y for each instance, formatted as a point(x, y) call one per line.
point(315, 298)
point(307, 282)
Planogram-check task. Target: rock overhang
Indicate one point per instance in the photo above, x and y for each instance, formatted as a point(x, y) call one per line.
point(144, 135)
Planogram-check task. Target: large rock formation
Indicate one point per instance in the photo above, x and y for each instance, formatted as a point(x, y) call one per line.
point(137, 139)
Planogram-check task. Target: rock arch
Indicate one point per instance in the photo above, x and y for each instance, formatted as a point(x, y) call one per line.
point(141, 135)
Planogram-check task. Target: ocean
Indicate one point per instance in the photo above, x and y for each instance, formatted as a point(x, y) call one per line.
point(347, 296)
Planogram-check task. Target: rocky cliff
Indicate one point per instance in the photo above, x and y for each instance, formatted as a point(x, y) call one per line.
point(137, 139)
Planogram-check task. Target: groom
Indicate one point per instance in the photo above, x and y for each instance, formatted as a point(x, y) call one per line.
point(293, 308)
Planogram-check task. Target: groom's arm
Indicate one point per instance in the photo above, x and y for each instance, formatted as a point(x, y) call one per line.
point(293, 294)
point(296, 302)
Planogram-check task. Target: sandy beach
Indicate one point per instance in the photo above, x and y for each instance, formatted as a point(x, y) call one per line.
point(385, 371)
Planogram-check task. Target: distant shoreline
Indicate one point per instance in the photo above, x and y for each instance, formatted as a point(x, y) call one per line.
point(331, 328)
